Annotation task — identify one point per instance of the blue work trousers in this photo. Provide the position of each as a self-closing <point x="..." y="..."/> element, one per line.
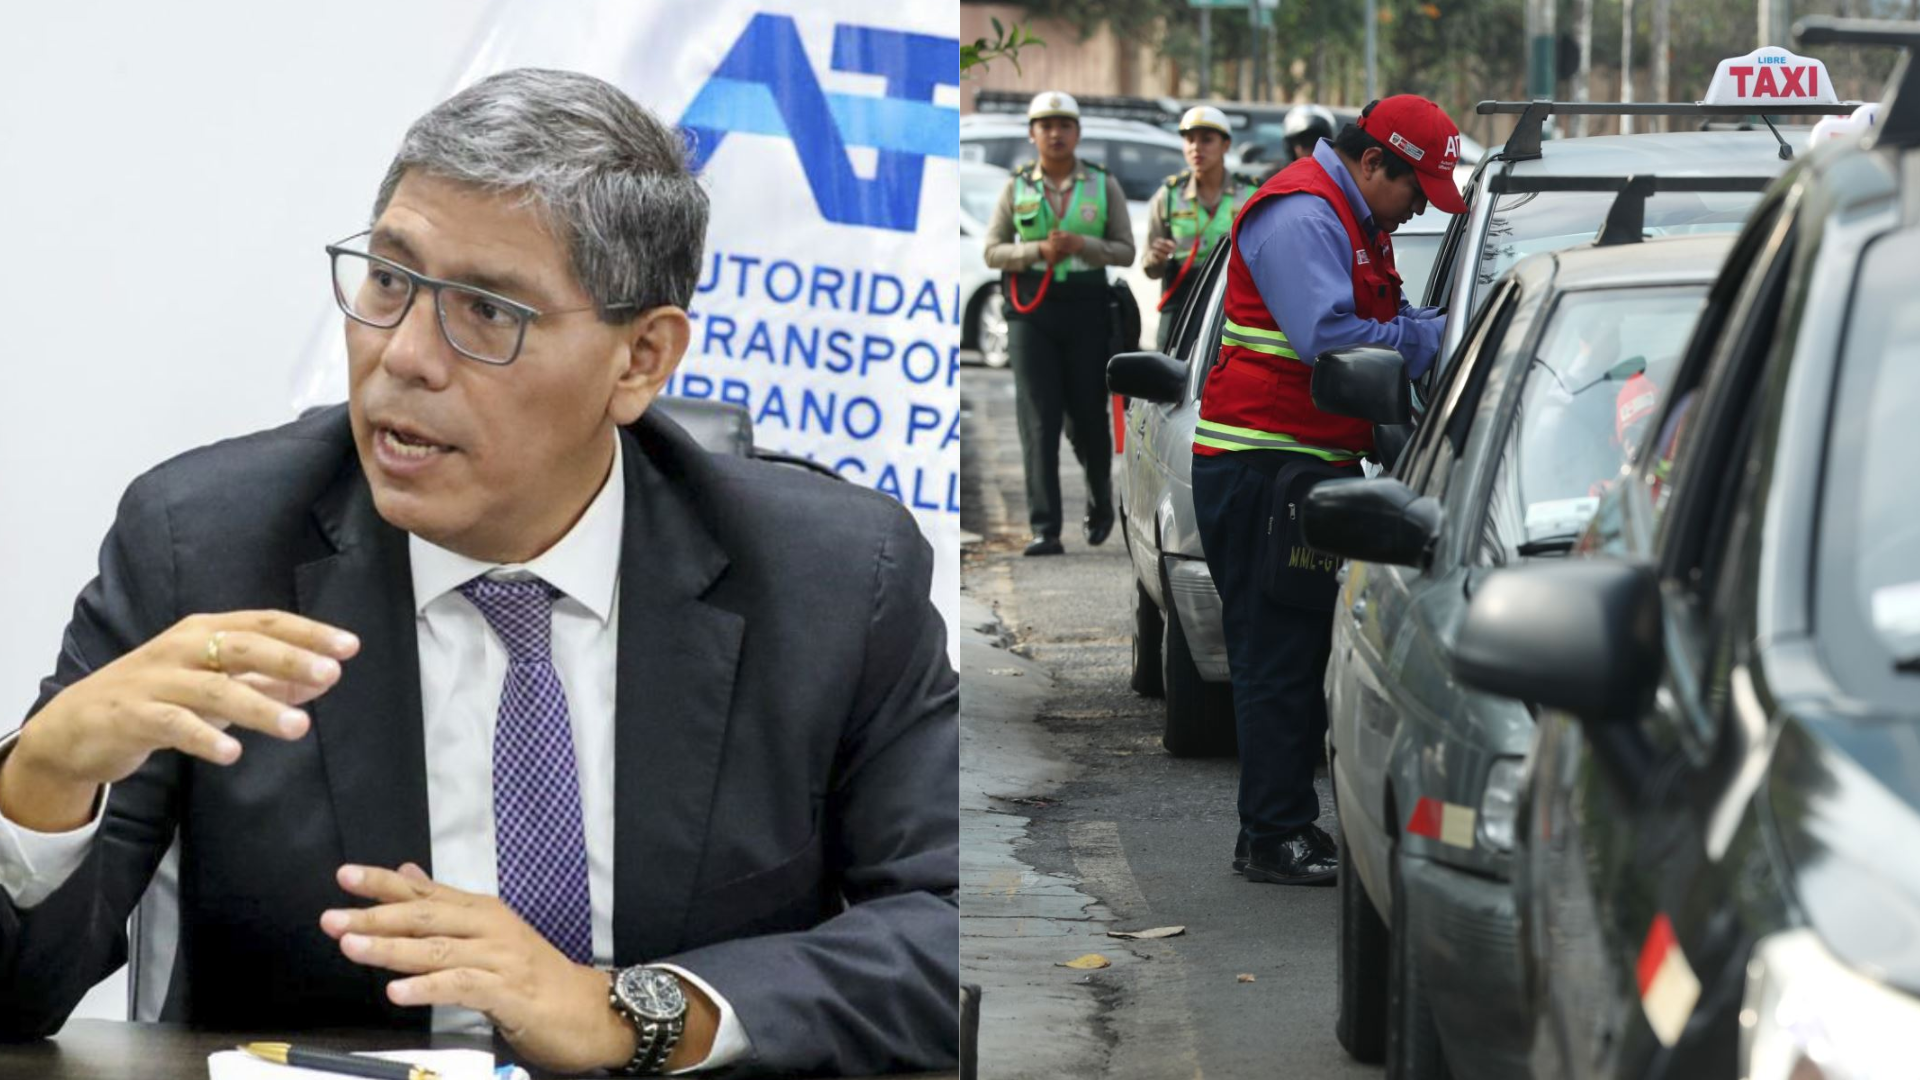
<point x="1278" y="653"/>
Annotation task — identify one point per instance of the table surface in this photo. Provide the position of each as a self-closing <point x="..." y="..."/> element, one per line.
<point x="111" y="1050"/>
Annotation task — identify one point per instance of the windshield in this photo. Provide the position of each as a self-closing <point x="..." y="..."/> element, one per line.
<point x="1590" y="390"/>
<point x="1869" y="577"/>
<point x="1549" y="221"/>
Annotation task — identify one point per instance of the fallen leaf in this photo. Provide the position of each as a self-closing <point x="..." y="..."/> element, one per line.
<point x="1087" y="963"/>
<point x="1148" y="935"/>
<point x="1243" y="977"/>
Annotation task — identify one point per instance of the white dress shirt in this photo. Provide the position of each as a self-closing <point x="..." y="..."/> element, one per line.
<point x="463" y="667"/>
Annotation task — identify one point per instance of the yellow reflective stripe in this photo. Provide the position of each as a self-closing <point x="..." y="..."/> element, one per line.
<point x="1252" y="345"/>
<point x="1270" y="342"/>
<point x="1255" y="332"/>
<point x="1335" y="457"/>
<point x="1227" y="437"/>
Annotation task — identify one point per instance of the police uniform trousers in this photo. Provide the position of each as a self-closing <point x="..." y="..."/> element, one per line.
<point x="1059" y="354"/>
<point x="1277" y="651"/>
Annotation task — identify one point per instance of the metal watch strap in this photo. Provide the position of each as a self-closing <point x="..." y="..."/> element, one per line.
<point x="656" y="1039"/>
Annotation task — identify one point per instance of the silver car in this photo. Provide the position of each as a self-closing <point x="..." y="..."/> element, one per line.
<point x="1179" y="651"/>
<point x="984" y="326"/>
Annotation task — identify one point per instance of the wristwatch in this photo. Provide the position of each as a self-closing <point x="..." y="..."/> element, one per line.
<point x="650" y="998"/>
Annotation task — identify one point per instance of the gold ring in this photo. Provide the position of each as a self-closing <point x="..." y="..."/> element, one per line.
<point x="213" y="651"/>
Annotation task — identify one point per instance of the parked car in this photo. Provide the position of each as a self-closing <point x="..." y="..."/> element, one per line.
<point x="1715" y="866"/>
<point x="1179" y="650"/>
<point x="1532" y="422"/>
<point x="983" y="326"/>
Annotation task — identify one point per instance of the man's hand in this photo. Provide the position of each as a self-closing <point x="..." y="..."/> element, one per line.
<point x="1159" y="249"/>
<point x="167" y="695"/>
<point x="475" y="952"/>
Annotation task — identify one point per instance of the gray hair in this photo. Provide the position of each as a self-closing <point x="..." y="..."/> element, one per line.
<point x="610" y="179"/>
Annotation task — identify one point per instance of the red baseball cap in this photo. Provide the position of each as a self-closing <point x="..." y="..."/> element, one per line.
<point x="1421" y="133"/>
<point x="1632" y="405"/>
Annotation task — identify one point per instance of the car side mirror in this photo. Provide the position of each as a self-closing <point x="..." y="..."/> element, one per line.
<point x="1363" y="381"/>
<point x="1583" y="637"/>
<point x="1376" y="520"/>
<point x="1389" y="442"/>
<point x="1149" y="376"/>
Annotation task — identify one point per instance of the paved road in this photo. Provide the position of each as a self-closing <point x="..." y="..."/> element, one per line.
<point x="1102" y="830"/>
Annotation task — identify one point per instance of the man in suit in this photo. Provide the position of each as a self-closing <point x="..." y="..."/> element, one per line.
<point x="489" y="697"/>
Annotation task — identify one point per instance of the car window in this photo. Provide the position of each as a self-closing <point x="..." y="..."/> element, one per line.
<point x="1868" y="582"/>
<point x="1413" y="257"/>
<point x="1590" y="388"/>
<point x="1526" y="223"/>
<point x="1437" y="441"/>
<point x="979" y="191"/>
<point x="1203" y="346"/>
<point x="1140" y="167"/>
<point x="1005" y="151"/>
<point x="1738" y="317"/>
<point x="1207" y="297"/>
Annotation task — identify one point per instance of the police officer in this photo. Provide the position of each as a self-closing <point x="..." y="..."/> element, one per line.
<point x="1058" y="224"/>
<point x="1192" y="211"/>
<point x="1311" y="270"/>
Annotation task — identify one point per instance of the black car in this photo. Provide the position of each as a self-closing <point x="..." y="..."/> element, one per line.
<point x="1530" y="424"/>
<point x="1718" y="872"/>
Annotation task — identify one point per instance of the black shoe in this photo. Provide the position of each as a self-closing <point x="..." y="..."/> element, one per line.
<point x="1240" y="856"/>
<point x="1045" y="545"/>
<point x="1099" y="527"/>
<point x="1308" y="857"/>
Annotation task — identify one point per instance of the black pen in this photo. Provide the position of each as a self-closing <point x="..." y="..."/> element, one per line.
<point x="328" y="1061"/>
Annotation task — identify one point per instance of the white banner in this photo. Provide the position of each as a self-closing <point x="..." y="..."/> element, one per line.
<point x="828" y="304"/>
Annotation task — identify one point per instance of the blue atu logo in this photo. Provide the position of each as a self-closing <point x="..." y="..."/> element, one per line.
<point x="766" y="86"/>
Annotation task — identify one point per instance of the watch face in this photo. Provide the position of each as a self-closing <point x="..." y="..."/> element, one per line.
<point x="655" y="995"/>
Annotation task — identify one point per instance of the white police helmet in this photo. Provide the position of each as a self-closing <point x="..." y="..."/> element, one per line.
<point x="1208" y="117"/>
<point x="1309" y="119"/>
<point x="1053" y="103"/>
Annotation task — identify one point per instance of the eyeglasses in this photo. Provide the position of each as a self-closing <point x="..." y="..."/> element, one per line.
<point x="480" y="325"/>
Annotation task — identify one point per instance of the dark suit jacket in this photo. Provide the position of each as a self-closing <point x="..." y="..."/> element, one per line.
<point x="786" y="741"/>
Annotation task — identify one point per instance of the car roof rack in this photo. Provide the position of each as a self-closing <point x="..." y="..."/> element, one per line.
<point x="1153" y="111"/>
<point x="1524" y="143"/>
<point x="1899" y="122"/>
<point x="1627" y="217"/>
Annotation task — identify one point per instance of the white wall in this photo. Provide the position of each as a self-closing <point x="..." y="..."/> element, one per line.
<point x="168" y="175"/>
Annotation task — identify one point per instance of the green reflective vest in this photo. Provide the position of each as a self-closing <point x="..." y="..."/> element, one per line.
<point x="1187" y="219"/>
<point x="1086" y="215"/>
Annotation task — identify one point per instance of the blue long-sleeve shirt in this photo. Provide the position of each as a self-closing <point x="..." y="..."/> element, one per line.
<point x="1306" y="276"/>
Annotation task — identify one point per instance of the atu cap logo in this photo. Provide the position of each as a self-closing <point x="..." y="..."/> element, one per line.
<point x="767" y="85"/>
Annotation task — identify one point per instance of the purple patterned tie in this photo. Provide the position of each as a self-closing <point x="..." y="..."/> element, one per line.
<point x="538" y="837"/>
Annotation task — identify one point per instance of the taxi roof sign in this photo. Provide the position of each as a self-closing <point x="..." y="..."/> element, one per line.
<point x="1769" y="77"/>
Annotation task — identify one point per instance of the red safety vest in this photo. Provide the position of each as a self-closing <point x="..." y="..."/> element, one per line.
<point x="1258" y="394"/>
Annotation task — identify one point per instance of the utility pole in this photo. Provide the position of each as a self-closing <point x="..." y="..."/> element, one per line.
<point x="1256" y="40"/>
<point x="1626" y="61"/>
<point x="1774" y="16"/>
<point x="1662" y="49"/>
<point x="1206" y="52"/>
<point x="1540" y="48"/>
<point x="1373" y="51"/>
<point x="1582" y="76"/>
